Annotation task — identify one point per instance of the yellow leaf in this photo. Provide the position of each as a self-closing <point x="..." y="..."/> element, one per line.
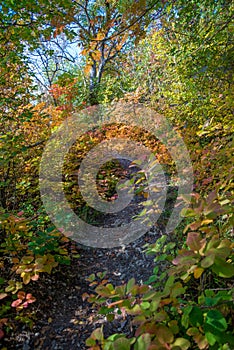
<point x="198" y="272"/>
<point x="100" y="36"/>
<point x="96" y="55"/>
<point x="26" y="277"/>
<point x="206" y="222"/>
<point x="87" y="69"/>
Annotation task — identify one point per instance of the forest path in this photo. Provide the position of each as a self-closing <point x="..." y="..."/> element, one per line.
<point x="64" y="320"/>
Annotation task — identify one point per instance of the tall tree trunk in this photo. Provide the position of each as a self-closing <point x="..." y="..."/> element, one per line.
<point x="93" y="86"/>
<point x="94" y="82"/>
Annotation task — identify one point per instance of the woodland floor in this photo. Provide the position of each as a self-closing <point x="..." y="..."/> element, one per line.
<point x="63" y="320"/>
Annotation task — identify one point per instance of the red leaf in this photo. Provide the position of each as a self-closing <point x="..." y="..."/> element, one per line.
<point x="35" y="277"/>
<point x="25" y="304"/>
<point x="30" y="299"/>
<point x="194" y="241"/>
<point x="28" y="296"/>
<point x="16" y="303"/>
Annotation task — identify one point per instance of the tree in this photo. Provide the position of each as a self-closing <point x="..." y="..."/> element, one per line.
<point x="15" y="85"/>
<point x="101" y="29"/>
<point x="106" y="28"/>
<point x="185" y="65"/>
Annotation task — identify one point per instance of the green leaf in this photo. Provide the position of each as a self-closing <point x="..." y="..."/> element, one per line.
<point x="187" y="212"/>
<point x="211" y="338"/>
<point x="90" y="342"/>
<point x="122" y="344"/>
<point x="154" y="305"/>
<point x="196" y="316"/>
<point x="208" y="261"/>
<point x="164" y="335"/>
<point x="216" y="321"/>
<point x="2" y="280"/>
<point x="177" y="290"/>
<point x="97" y="334"/>
<point x="115" y="336"/>
<point x="131" y="283"/>
<point x="27" y="259"/>
<point x="152" y="279"/>
<point x="91" y="277"/>
<point x="182" y="344"/>
<point x="222" y="268"/>
<point x="169" y="283"/>
<point x="104" y="310"/>
<point x="120" y="290"/>
<point x="150" y="295"/>
<point x="212" y="301"/>
<point x="185" y="316"/>
<point x="143" y="342"/>
<point x="145" y="305"/>
<point x="104" y="291"/>
<point x="193" y="331"/>
<point x="136" y="310"/>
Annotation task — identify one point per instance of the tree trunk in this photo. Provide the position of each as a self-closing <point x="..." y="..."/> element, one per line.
<point x="93" y="86"/>
<point x="94" y="82"/>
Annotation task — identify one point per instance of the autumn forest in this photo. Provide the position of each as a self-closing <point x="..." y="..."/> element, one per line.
<point x="116" y="174"/>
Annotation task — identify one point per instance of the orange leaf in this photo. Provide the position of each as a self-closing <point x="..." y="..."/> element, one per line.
<point x="87" y="69"/>
<point x="83" y="52"/>
<point x="21" y="295"/>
